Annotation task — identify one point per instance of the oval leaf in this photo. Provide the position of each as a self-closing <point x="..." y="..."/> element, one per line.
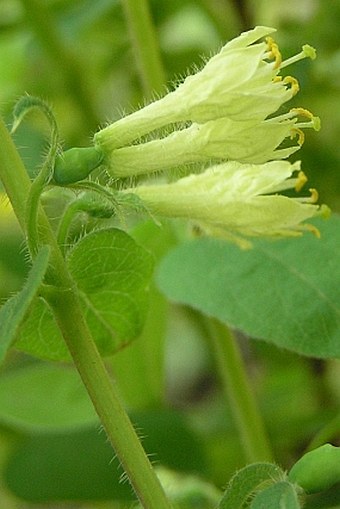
<point x="112" y="273"/>
<point x="286" y="292"/>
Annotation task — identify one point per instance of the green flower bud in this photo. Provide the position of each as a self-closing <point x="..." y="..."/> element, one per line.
<point x="76" y="164"/>
<point x="317" y="470"/>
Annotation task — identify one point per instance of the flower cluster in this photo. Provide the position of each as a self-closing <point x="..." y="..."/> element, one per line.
<point x="225" y="114"/>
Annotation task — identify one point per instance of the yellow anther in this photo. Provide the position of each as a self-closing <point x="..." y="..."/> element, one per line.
<point x="277" y="79"/>
<point x="295" y="131"/>
<point x="293" y="83"/>
<point x="302" y="112"/>
<point x="274" y="52"/>
<point x="311" y="228"/>
<point x="313" y="198"/>
<point x="300" y="181"/>
<point x="314" y="195"/>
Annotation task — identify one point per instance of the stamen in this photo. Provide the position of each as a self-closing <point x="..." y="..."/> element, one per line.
<point x="294" y="112"/>
<point x="300" y="181"/>
<point x="302" y="112"/>
<point x="314" y="195"/>
<point x="313" y="198"/>
<point x="295" y="131"/>
<point x="311" y="228"/>
<point x="281" y="118"/>
<point x="293" y="82"/>
<point x="314" y="123"/>
<point x="274" y="52"/>
<point x="307" y="52"/>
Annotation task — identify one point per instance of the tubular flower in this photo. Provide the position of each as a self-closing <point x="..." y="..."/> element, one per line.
<point x="241" y="82"/>
<point x="245" y="141"/>
<point x="236" y="200"/>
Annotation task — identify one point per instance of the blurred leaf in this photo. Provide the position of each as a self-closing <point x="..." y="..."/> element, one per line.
<point x="143" y="386"/>
<point x="188" y="491"/>
<point x="44" y="398"/>
<point x="112" y="273"/>
<point x="246" y="482"/>
<point x="81" y="466"/>
<point x="285" y="292"/>
<point x="14" y="310"/>
<point x="64" y="467"/>
<point x="281" y="495"/>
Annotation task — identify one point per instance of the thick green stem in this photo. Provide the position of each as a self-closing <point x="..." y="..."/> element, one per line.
<point x="39" y="16"/>
<point x="64" y="301"/>
<point x="239" y="393"/>
<point x="146" y="48"/>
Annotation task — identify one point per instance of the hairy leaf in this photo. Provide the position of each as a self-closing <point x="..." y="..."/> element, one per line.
<point x="281" y="495"/>
<point x="248" y="481"/>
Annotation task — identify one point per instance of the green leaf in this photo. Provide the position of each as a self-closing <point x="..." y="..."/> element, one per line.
<point x="286" y="292"/>
<point x="143" y="387"/>
<point x="80" y="465"/>
<point x="112" y="273"/>
<point x="248" y="480"/>
<point x="281" y="495"/>
<point x="54" y="399"/>
<point x="73" y="466"/>
<point x="14" y="310"/>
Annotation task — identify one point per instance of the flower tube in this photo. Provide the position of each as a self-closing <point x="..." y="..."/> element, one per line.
<point x="222" y="139"/>
<point x="236" y="200"/>
<point x="241" y="82"/>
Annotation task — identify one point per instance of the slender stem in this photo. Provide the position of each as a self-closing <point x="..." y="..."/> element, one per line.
<point x="39" y="16"/>
<point x="18" y="187"/>
<point x="238" y="391"/>
<point x="13" y="175"/>
<point x="64" y="301"/>
<point x="105" y="399"/>
<point x="146" y="48"/>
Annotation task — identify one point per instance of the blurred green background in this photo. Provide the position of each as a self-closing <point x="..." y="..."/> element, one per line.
<point x="79" y="58"/>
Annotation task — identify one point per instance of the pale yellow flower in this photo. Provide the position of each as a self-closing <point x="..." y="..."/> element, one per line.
<point x="241" y="82"/>
<point x="249" y="141"/>
<point x="237" y="200"/>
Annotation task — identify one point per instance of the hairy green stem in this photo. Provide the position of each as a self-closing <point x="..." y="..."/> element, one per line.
<point x="145" y="46"/>
<point x="106" y="401"/>
<point x="64" y="301"/>
<point x="239" y="393"/>
<point x="39" y="16"/>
